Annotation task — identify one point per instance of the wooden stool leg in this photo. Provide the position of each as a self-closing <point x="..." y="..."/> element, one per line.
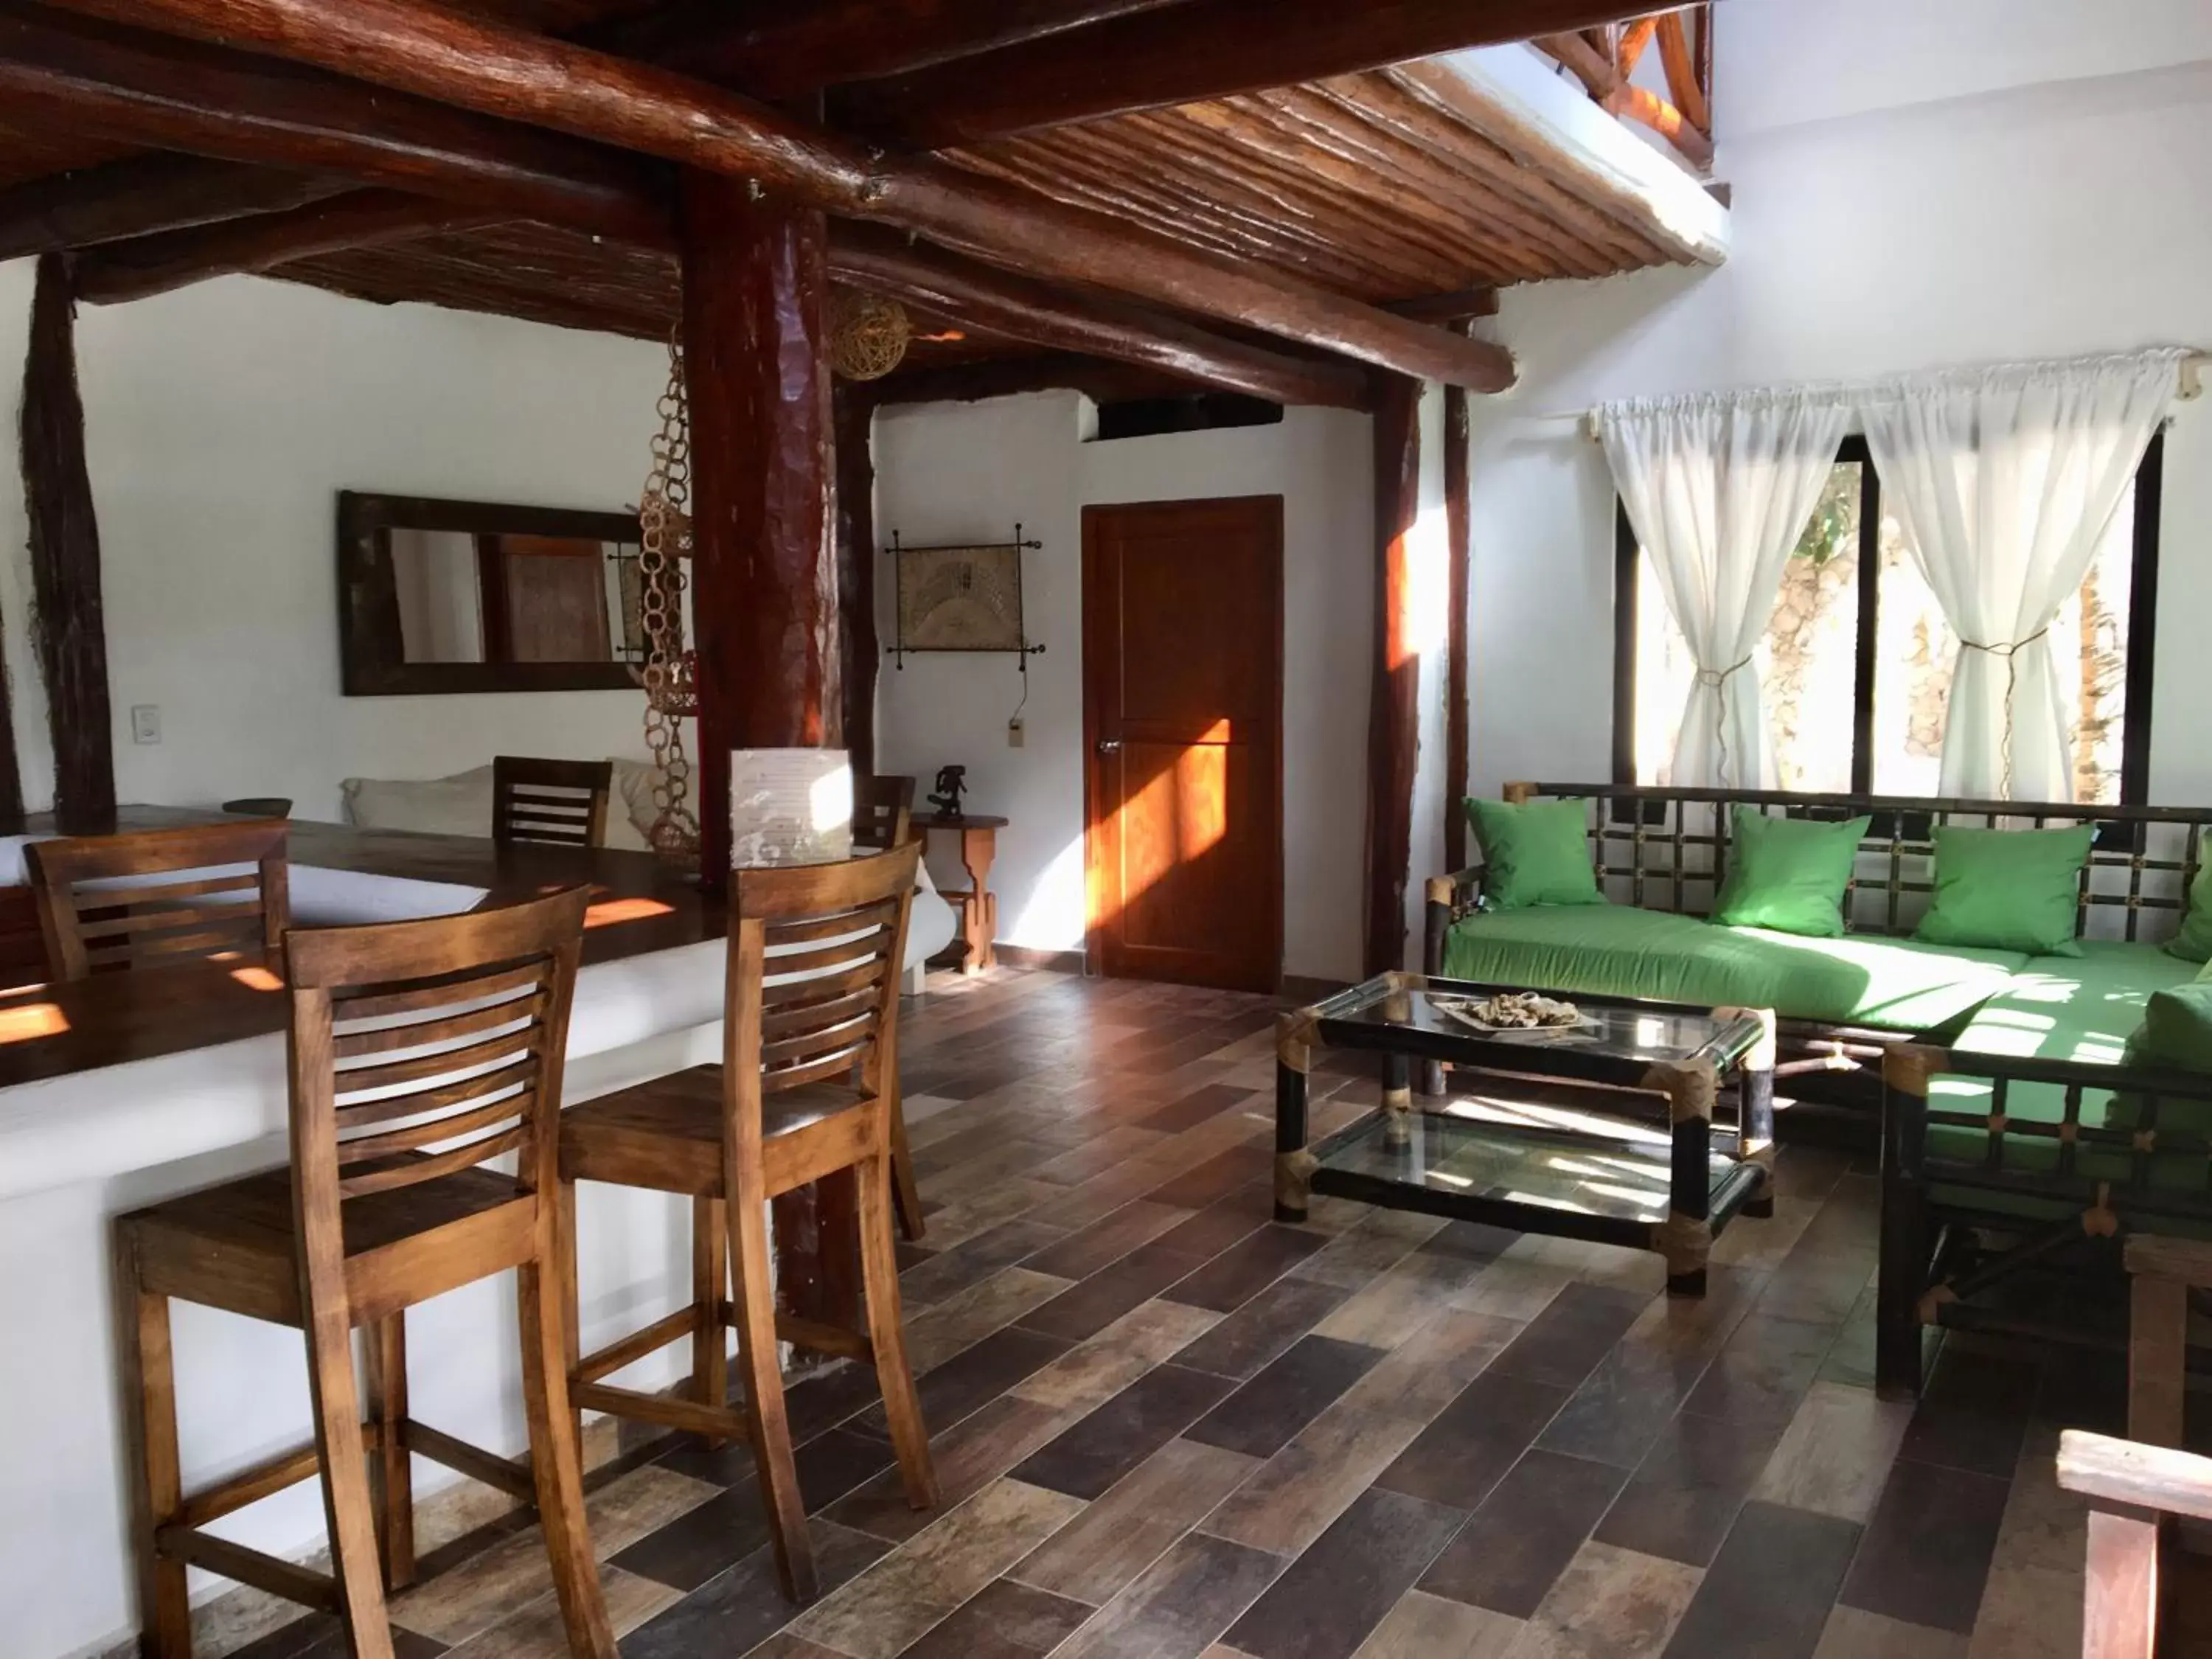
<point x="2158" y="1359"/>
<point x="770" y="1430"/>
<point x="391" y="1469"/>
<point x="346" y="1507"/>
<point x="710" y="1348"/>
<point x="554" y="1461"/>
<point x="149" y="1390"/>
<point x="905" y="1195"/>
<point x="571" y="1293"/>
<point x="879" y="1272"/>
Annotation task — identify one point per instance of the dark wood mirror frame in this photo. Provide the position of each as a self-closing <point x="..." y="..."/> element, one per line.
<point x="371" y="653"/>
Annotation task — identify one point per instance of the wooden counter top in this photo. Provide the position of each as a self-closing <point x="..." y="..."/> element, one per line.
<point x="52" y="1031"/>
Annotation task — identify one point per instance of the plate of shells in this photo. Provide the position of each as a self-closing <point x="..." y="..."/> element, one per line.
<point x="1514" y="1014"/>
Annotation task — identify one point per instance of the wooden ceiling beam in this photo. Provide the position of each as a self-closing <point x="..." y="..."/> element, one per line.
<point x="1205" y="49"/>
<point x="177" y="94"/>
<point x="772" y="49"/>
<point x="502" y="71"/>
<point x="1021" y="309"/>
<point x="1006" y="377"/>
<point x="142" y="195"/>
<point x="365" y="218"/>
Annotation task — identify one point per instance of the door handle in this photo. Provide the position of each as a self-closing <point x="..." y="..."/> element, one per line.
<point x="1109" y="745"/>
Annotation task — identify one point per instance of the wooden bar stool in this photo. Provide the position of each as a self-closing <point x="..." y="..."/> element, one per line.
<point x="563" y="803"/>
<point x="809" y="1045"/>
<point x="159" y="897"/>
<point x="882" y="817"/>
<point x="452" y="1030"/>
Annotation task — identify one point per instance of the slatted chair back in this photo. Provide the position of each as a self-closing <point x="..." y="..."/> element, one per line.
<point x="422" y="1048"/>
<point x="812" y="985"/>
<point x="882" y="810"/>
<point x="562" y="802"/>
<point x="160" y="898"/>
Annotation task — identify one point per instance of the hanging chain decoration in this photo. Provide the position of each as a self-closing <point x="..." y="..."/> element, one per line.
<point x="668" y="676"/>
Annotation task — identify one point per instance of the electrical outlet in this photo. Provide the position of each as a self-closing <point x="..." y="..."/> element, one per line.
<point x="1014" y="733"/>
<point x="145" y="723"/>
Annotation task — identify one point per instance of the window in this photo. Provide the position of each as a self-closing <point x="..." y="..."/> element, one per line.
<point x="1855" y="667"/>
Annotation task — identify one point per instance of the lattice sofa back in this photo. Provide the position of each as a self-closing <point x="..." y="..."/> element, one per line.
<point x="1667" y="849"/>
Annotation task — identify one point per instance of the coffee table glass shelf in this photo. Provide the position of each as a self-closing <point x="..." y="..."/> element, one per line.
<point x="1605" y="1129"/>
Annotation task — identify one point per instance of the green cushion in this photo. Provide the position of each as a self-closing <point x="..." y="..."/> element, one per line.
<point x="1535" y="852"/>
<point x="2177" y="1028"/>
<point x="2008" y="890"/>
<point x="2194" y="942"/>
<point x="1788" y="874"/>
<point x="1890" y="984"/>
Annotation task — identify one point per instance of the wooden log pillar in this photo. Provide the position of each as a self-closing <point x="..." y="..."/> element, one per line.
<point x="1457" y="554"/>
<point x="854" y="416"/>
<point x="67" y="630"/>
<point x="764" y="576"/>
<point x="1394" y="701"/>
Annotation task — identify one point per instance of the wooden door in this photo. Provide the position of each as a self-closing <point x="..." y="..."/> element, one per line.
<point x="1182" y="714"/>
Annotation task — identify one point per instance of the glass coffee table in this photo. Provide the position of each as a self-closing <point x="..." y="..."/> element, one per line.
<point x="1603" y="1130"/>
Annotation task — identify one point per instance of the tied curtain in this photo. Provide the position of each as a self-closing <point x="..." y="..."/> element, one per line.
<point x="1718" y="488"/>
<point x="2006" y="480"/>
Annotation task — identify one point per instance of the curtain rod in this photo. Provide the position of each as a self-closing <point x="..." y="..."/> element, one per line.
<point x="2190" y="388"/>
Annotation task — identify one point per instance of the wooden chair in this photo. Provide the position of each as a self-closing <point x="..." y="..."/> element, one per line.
<point x="883" y="810"/>
<point x="809" y="1045"/>
<point x="561" y="802"/>
<point x="369" y="1219"/>
<point x="155" y="898"/>
<point x="2142" y="1595"/>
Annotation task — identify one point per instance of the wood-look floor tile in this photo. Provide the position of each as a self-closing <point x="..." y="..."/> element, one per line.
<point x="893" y="1602"/>
<point x="490" y="1588"/>
<point x="1090" y="1456"/>
<point x="1003" y="1620"/>
<point x="935" y="1334"/>
<point x="1080" y="1254"/>
<point x="1090" y="1373"/>
<point x="1684" y="1497"/>
<point x="1179" y="1604"/>
<point x="1762" y="1374"/>
<point x="1425" y="1626"/>
<point x="536" y="1631"/>
<point x="1836" y="1453"/>
<point x="1577" y="1328"/>
<point x="1088" y="1307"/>
<point x="969" y="1457"/>
<point x="949" y="1271"/>
<point x="2045" y="1526"/>
<point x="1188" y="1111"/>
<point x="312" y="1636"/>
<point x="1854" y="1633"/>
<point x="1217" y="1177"/>
<point x="1973" y="1413"/>
<point x="1609" y="1266"/>
<point x="1610" y="1604"/>
<point x="2035" y="1613"/>
<point x="1096" y="1554"/>
<point x="1514" y="1548"/>
<point x="784" y="1645"/>
<point x="1377" y="1241"/>
<point x="1260" y="1418"/>
<point x="1768" y="1592"/>
<point x="1244" y="1269"/>
<point x="1926" y="1554"/>
<point x="1251" y="1338"/>
<point x="1512" y="1289"/>
<point x="737" y="1610"/>
<point x="1763" y="1244"/>
<point x="972" y="1379"/>
<point x="1469" y="1446"/>
<point x="1109" y="1149"/>
<point x="1820" y="1285"/>
<point x="1329" y="1599"/>
<point x="1399" y="1300"/>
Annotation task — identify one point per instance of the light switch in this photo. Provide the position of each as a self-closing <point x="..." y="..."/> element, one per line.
<point x="145" y="722"/>
<point x="1014" y="733"/>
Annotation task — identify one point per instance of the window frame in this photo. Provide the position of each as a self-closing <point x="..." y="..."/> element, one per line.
<point x="2143" y="625"/>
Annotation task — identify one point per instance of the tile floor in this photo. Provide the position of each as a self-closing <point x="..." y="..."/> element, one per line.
<point x="1168" y="1426"/>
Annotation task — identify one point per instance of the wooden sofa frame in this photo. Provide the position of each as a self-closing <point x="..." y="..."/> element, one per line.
<point x="1667" y="849"/>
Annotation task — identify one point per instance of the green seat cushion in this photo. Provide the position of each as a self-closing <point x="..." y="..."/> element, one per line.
<point x="1788" y="874"/>
<point x="2194" y="942"/>
<point x="2084" y="1009"/>
<point x="1890" y="984"/>
<point x="1535" y="852"/>
<point x="2007" y="889"/>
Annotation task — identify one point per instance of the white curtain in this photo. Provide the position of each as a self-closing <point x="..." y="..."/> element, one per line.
<point x="2005" y="480"/>
<point x="1718" y="488"/>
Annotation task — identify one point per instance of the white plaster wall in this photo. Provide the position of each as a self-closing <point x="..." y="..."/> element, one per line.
<point x="2044" y="220"/>
<point x="220" y="422"/>
<point x="953" y="472"/>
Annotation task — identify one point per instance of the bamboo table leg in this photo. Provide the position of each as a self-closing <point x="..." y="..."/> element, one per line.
<point x="1294" y="1165"/>
<point x="1686" y="1237"/>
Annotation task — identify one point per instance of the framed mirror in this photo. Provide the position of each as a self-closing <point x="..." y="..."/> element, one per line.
<point x="438" y="596"/>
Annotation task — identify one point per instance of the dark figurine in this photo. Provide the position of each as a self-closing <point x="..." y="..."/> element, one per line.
<point x="952" y="784"/>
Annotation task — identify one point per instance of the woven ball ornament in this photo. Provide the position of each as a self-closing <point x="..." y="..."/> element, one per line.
<point x="868" y="334"/>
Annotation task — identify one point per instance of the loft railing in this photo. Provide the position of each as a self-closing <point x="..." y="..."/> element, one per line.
<point x="1605" y="60"/>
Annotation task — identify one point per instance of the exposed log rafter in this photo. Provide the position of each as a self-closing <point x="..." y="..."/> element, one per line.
<point x="1394" y="709"/>
<point x="502" y="71"/>
<point x="145" y="195"/>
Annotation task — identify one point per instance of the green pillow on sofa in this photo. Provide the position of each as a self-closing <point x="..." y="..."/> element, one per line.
<point x="1535" y="852"/>
<point x="1788" y="874"/>
<point x="2008" y="890"/>
<point x="2194" y="942"/>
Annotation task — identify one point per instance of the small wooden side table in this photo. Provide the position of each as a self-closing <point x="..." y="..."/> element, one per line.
<point x="979" y="905"/>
